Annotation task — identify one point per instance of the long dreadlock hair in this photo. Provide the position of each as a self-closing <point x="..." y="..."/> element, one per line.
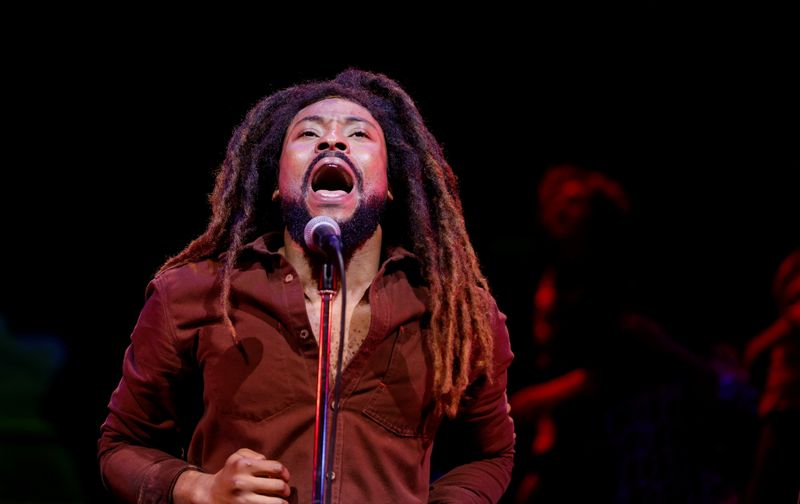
<point x="431" y="222"/>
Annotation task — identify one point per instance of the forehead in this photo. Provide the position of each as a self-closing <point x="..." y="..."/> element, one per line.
<point x="335" y="108"/>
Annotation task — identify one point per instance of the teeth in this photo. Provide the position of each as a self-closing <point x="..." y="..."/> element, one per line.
<point x="332" y="177"/>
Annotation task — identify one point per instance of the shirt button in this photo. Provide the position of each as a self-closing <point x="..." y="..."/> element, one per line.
<point x="304" y="333"/>
<point x="288" y="278"/>
<point x="331" y="475"/>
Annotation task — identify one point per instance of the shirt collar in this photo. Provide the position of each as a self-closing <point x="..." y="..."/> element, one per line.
<point x="267" y="245"/>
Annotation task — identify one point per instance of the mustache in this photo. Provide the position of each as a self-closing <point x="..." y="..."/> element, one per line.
<point x="336" y="154"/>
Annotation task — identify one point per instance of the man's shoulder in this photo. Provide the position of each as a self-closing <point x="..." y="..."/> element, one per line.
<point x="201" y="275"/>
<point x="190" y="280"/>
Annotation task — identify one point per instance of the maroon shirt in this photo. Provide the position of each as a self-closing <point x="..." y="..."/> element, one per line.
<point x="189" y="398"/>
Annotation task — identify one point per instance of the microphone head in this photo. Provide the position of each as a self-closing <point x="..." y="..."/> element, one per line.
<point x="321" y="224"/>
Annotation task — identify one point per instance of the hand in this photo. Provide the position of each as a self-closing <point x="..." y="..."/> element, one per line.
<point x="247" y="477"/>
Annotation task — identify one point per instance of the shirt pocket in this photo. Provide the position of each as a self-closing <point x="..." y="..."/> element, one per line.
<point x="253" y="382"/>
<point x="402" y="403"/>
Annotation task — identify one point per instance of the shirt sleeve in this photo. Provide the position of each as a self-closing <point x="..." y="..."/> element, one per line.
<point x="484" y="433"/>
<point x="139" y="449"/>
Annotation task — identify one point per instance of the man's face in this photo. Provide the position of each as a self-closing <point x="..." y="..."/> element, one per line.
<point x="333" y="163"/>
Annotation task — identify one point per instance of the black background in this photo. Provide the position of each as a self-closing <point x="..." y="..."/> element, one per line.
<point x="113" y="144"/>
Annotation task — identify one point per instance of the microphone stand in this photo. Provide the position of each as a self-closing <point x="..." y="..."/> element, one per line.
<point x="327" y="289"/>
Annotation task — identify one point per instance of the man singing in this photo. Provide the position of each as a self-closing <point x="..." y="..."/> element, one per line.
<point x="217" y="397"/>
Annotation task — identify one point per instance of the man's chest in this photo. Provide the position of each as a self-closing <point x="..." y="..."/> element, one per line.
<point x="357" y="324"/>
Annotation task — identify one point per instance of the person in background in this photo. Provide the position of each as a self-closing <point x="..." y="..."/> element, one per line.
<point x="776" y="471"/>
<point x="604" y="409"/>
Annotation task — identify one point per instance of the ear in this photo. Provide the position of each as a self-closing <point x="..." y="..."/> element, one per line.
<point x="276" y="195"/>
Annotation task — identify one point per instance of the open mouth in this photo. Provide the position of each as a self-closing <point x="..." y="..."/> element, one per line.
<point x="332" y="177"/>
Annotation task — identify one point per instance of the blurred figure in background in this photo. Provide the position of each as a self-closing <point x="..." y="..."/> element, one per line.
<point x="28" y="366"/>
<point x="605" y="417"/>
<point x="776" y="472"/>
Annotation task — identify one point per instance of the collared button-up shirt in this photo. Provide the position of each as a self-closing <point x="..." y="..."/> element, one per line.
<point x="189" y="397"/>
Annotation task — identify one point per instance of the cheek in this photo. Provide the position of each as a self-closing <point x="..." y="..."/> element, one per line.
<point x="376" y="183"/>
<point x="377" y="179"/>
<point x="291" y="169"/>
<point x="383" y="184"/>
<point x="283" y="186"/>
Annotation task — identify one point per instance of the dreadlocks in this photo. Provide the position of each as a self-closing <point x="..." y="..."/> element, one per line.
<point x="431" y="223"/>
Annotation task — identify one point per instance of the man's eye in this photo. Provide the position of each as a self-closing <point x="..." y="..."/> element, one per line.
<point x="360" y="133"/>
<point x="308" y="133"/>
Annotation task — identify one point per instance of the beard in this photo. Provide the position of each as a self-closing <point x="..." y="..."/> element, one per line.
<point x="355" y="230"/>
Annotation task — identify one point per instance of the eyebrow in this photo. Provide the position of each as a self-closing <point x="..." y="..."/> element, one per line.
<point x="320" y="119"/>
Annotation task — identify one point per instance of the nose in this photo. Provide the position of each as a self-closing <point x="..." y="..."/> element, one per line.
<point x="331" y="141"/>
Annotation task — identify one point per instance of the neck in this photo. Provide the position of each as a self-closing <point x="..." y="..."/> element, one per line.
<point x="360" y="269"/>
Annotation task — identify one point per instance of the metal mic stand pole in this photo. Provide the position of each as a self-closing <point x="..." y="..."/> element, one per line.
<point x="327" y="289"/>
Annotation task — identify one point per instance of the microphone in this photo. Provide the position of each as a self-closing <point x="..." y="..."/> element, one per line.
<point x="322" y="234"/>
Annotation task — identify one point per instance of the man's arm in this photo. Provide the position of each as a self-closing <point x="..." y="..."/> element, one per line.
<point x="486" y="430"/>
<point x="139" y="445"/>
<point x="778" y="331"/>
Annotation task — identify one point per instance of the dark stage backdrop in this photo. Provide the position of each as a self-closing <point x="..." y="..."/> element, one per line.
<point x="111" y="162"/>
